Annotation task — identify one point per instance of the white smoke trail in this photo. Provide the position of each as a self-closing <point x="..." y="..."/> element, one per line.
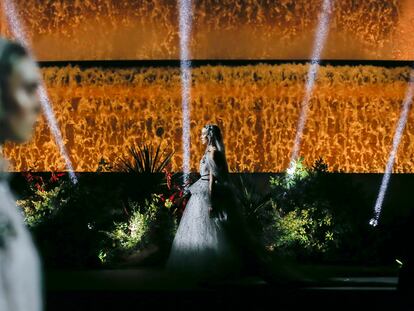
<point x="185" y="20"/>
<point x="20" y="35"/>
<point x="321" y="35"/>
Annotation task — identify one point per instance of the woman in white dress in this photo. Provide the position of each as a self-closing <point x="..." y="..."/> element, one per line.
<point x="202" y="247"/>
<point x="20" y="268"/>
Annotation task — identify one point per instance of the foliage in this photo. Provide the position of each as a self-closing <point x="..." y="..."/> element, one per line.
<point x="73" y="223"/>
<point x="145" y="160"/>
<point x="301" y="219"/>
<point x="66" y="218"/>
<point x="176" y="192"/>
<point x="40" y="206"/>
<point x="303" y="231"/>
<point x="145" y="168"/>
<point x="42" y="201"/>
<point x="153" y="226"/>
<point x="251" y="198"/>
<point x="305" y="215"/>
<point x="253" y="202"/>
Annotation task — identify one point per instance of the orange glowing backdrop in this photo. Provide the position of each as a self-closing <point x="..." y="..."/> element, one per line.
<point x="224" y="29"/>
<point x="103" y="111"/>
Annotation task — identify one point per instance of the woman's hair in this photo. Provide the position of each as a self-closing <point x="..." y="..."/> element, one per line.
<point x="214" y="137"/>
<point x="10" y="52"/>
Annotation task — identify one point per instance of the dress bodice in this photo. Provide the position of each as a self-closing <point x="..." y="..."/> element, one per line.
<point x="201" y="185"/>
<point x="207" y="164"/>
<point x="204" y="170"/>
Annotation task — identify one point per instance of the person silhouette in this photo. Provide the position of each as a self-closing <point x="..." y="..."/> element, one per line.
<point x="213" y="240"/>
<point x="201" y="247"/>
<point x="20" y="265"/>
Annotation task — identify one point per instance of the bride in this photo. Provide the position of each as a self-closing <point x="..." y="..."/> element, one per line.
<point x="201" y="246"/>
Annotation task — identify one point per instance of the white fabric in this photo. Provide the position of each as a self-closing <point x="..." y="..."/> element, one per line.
<point x="200" y="246"/>
<point x="20" y="277"/>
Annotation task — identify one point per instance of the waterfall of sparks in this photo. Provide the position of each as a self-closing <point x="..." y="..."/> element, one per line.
<point x="395" y="144"/>
<point x="321" y="35"/>
<point x="185" y="16"/>
<point x="18" y="33"/>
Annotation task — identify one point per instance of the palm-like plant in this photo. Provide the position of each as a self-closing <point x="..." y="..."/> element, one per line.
<point x="145" y="160"/>
<point x="253" y="202"/>
<point x="250" y="197"/>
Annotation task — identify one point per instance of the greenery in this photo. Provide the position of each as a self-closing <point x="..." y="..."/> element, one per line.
<point x="145" y="166"/>
<point x="42" y="201"/>
<point x="303" y="230"/>
<point x="142" y="228"/>
<point x="109" y="219"/>
<point x="255" y="204"/>
<point x="295" y="218"/>
<point x="99" y="220"/>
<point x="302" y="220"/>
<point x="40" y="206"/>
<point x="145" y="159"/>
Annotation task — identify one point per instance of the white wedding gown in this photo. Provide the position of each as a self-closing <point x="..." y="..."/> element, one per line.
<point x="201" y="247"/>
<point x="20" y="270"/>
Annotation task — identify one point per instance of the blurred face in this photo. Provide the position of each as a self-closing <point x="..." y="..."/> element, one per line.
<point x="23" y="104"/>
<point x="204" y="139"/>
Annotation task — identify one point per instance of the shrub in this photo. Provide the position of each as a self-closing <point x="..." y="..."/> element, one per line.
<point x="145" y="166"/>
<point x="300" y="232"/>
<point x="254" y="203"/>
<point x="153" y="226"/>
<point x="42" y="201"/>
<point x="301" y="219"/>
<point x="145" y="160"/>
<point x="66" y="219"/>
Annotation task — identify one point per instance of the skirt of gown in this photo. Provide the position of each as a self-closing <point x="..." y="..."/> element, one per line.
<point x="201" y="247"/>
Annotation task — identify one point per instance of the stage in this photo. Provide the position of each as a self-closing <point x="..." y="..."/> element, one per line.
<point x="148" y="288"/>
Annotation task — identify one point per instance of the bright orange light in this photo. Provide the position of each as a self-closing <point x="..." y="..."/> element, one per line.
<point x="352" y="116"/>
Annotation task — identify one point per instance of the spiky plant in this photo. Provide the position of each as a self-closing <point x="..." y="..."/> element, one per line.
<point x="144" y="166"/>
<point x="145" y="159"/>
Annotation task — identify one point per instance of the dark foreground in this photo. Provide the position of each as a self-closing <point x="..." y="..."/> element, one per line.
<point x="146" y="288"/>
